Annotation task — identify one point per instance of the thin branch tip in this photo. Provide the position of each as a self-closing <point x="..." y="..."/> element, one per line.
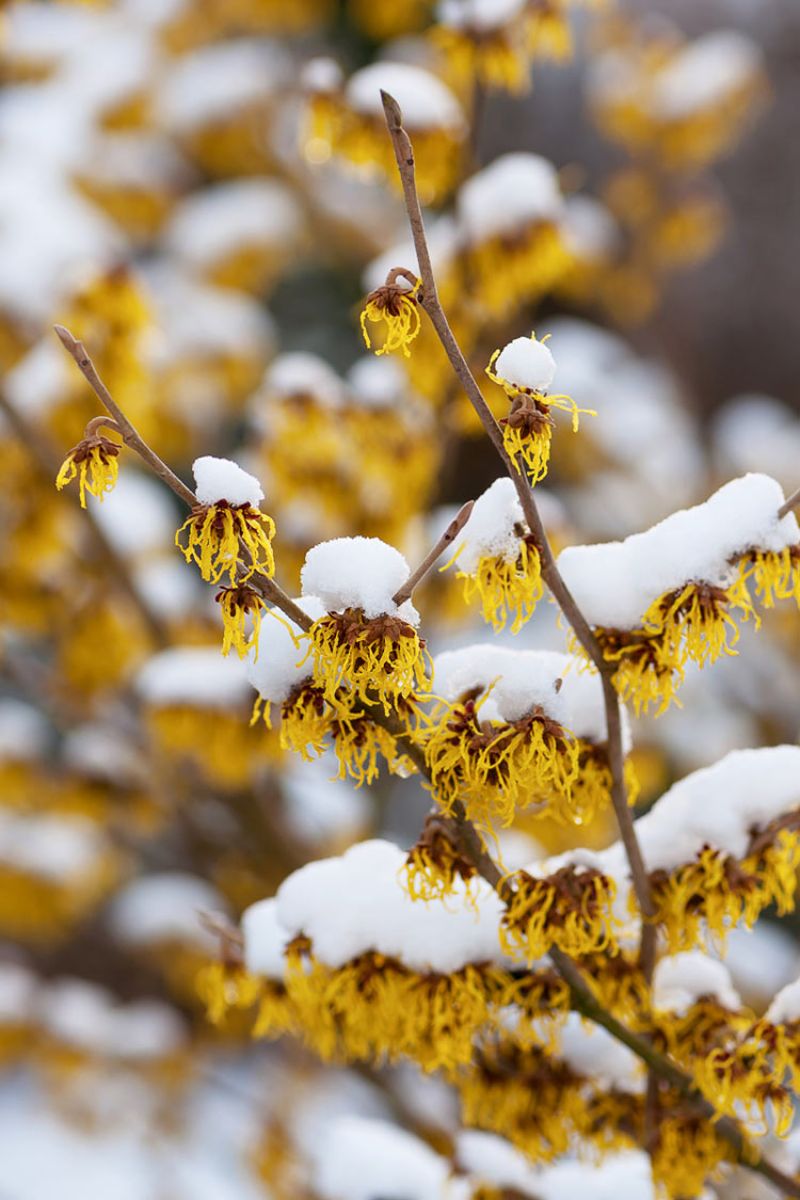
<point x="394" y="114"/>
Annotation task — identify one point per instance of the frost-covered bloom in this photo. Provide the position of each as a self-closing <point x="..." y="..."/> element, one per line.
<point x="498" y="558"/>
<point x="668" y="595"/>
<point x="310" y="717"/>
<point x="93" y="462"/>
<point x="375" y="981"/>
<point x="395" y="307"/>
<point x="227" y="533"/>
<point x="565" y="902"/>
<point x="196" y="704"/>
<point x="525" y="369"/>
<point x="349" y="123"/>
<point x="720" y="845"/>
<point x="686" y="103"/>
<point x="508" y="217"/>
<point x="495" y="44"/>
<point x="520" y="733"/>
<point x="542" y="1098"/>
<point x="365" y="644"/>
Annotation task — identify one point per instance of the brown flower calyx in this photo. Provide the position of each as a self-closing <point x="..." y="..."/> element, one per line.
<point x="529" y="414"/>
<point x="240" y="597"/>
<point x="438" y="843"/>
<point x="575" y="889"/>
<point x="352" y="626"/>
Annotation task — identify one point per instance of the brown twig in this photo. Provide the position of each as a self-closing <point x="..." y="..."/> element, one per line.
<point x="789" y="505"/>
<point x="268" y="587"/>
<point x="130" y="436"/>
<point x="429" y="299"/>
<point x="450" y="534"/>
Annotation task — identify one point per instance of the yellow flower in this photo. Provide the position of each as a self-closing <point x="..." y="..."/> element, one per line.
<point x="528" y="428"/>
<point x="695" y="622"/>
<point x="93" y="462"/>
<point x="687" y="1150"/>
<point x="775" y="574"/>
<point x="494" y="767"/>
<point x="397" y="308"/>
<point x="378" y="661"/>
<point x="230" y="539"/>
<point x="506" y="586"/>
<point x="237" y="604"/>
<point x="374" y="1008"/>
<point x="570" y="909"/>
<point x="716" y="892"/>
<point x="435" y="863"/>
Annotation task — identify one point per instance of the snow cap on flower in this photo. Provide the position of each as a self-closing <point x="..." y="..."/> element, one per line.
<point x="785" y="1008"/>
<point x="614" y="583"/>
<point x="265" y="939"/>
<point x="720" y="806"/>
<point x="360" y="1158"/>
<point x="357" y="902"/>
<point x="492" y="528"/>
<point x="220" y="479"/>
<point x="279" y="663"/>
<point x="358" y="572"/>
<point x="526" y="363"/>
<point x="426" y="102"/>
<point x="514" y="191"/>
<point x="680" y="980"/>
<point x="479" y="16"/>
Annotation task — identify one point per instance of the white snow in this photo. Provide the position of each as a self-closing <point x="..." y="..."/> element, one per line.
<point x="321" y="74"/>
<point x="614" y="583"/>
<point x="526" y="363"/>
<point x="378" y="383"/>
<point x="479" y="16"/>
<point x="216" y="81"/>
<point x="720" y="806"/>
<point x="264" y="939"/>
<point x="680" y="980"/>
<point x="298" y="374"/>
<point x="357" y="572"/>
<point x="218" y="220"/>
<point x="18" y="987"/>
<point x="494" y="528"/>
<point x="523" y="679"/>
<point x="356" y="902"/>
<point x="761" y="960"/>
<point x="83" y="1015"/>
<point x="785" y="1008"/>
<point x="513" y="192"/>
<point x="104" y="752"/>
<point x="165" y="907"/>
<point x="198" y="676"/>
<point x="277" y="668"/>
<point x="220" y="479"/>
<point x="755" y="432"/>
<point x="55" y="848"/>
<point x="198" y="321"/>
<point x="588" y="229"/>
<point x="361" y="1158"/>
<point x="707" y="72"/>
<point x="426" y="102"/>
<point x="138" y="516"/>
<point x="318" y="807"/>
<point x="24" y="733"/>
<point x="491" y="1160"/>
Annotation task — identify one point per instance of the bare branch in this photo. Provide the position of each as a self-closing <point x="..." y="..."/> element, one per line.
<point x="789" y="505"/>
<point x="130" y="435"/>
<point x="450" y="534"/>
<point x="429" y="299"/>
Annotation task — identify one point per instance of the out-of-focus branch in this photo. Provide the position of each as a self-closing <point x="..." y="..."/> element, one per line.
<point x="435" y="552"/>
<point x="790" y="504"/>
<point x="429" y="299"/>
